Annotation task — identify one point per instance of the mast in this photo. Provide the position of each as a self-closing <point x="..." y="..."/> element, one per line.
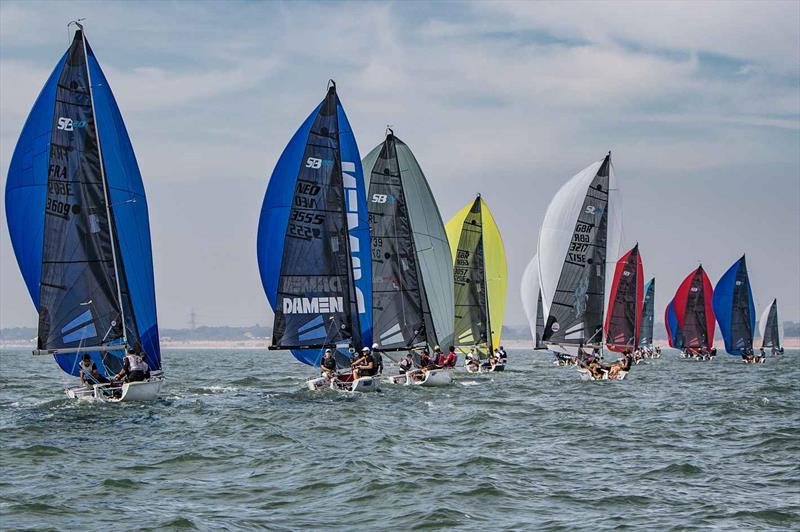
<point x="106" y="196"/>
<point x="485" y="283"/>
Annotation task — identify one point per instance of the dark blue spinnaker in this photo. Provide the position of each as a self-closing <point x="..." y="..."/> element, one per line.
<point x="78" y="220"/>
<point x="313" y="239"/>
<point x="734" y="308"/>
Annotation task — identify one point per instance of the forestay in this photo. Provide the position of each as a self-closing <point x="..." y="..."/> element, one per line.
<point x="78" y="219"/>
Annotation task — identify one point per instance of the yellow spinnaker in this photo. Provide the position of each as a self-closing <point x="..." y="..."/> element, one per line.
<point x="494" y="258"/>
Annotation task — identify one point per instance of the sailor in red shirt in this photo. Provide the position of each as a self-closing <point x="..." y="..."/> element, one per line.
<point x="450" y="360"/>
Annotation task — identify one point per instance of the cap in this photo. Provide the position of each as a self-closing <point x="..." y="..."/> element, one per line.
<point x="328" y="351"/>
<point x="375" y="345"/>
<point x="365" y="350"/>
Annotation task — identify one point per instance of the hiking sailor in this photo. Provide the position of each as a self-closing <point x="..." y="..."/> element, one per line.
<point x="134" y="367"/>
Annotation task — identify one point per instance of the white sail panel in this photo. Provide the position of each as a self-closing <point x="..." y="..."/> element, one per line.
<point x="529" y="291"/>
<point x="557" y="228"/>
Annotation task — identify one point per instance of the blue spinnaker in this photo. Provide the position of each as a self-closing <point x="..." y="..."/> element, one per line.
<point x="40" y="149"/>
<point x="735" y="309"/>
<point x="318" y="183"/>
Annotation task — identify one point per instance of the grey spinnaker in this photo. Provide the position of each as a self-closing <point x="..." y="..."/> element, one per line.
<point x="648" y="314"/>
<point x="576" y="309"/>
<point x="412" y="265"/>
<point x="769" y="326"/>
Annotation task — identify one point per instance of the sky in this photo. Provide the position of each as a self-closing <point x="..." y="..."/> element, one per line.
<point x="699" y="103"/>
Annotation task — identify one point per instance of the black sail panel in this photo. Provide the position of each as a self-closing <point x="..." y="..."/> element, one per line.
<point x="315" y="305"/>
<point x="79" y="303"/>
<point x="469" y="290"/>
<point x="741" y="329"/>
<point x="648" y="315"/>
<point x="695" y="321"/>
<point x="771" y="332"/>
<point x="539" y="322"/>
<point x="398" y="299"/>
<point x="622" y="310"/>
<point x="576" y="312"/>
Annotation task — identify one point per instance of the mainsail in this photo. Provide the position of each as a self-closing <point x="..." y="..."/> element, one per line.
<point x="769" y="326"/>
<point x="479" y="277"/>
<point x="78" y="219"/>
<point x="734" y="308"/>
<point x="648" y="314"/>
<point x="581" y="228"/>
<point x="412" y="292"/>
<point x="625" y="303"/>
<point x="674" y="335"/>
<point x="532" y="301"/>
<point x="693" y="310"/>
<point x="313" y="239"/>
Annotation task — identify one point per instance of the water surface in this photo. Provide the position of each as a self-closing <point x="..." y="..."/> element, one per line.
<point x="236" y="443"/>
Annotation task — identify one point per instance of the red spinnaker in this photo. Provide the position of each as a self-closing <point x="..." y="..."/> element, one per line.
<point x="625" y="303"/>
<point x="694" y="311"/>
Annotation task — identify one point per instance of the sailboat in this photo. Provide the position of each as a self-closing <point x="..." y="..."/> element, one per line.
<point x="771" y="329"/>
<point x="531" y="296"/>
<point x="735" y="311"/>
<point x="581" y="228"/>
<point x="78" y="220"/>
<point x="314" y="247"/>
<point x="479" y="282"/>
<point x="695" y="315"/>
<point x="674" y="335"/>
<point x="412" y="292"/>
<point x="625" y="303"/>
<point x="648" y="315"/>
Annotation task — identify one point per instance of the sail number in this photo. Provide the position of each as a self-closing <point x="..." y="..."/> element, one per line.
<point x="57" y="207"/>
<point x="307" y="217"/>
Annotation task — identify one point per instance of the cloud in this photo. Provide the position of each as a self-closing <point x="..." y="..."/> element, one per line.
<point x="509" y="99"/>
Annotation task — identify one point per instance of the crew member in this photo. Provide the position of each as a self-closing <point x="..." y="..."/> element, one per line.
<point x="451" y="359"/>
<point x="88" y="372"/>
<point x="364" y="366"/>
<point x="134" y="367"/>
<point x="328" y="365"/>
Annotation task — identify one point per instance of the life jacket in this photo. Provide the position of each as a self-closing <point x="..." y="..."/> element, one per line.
<point x="451" y="360"/>
<point x="329" y="363"/>
<point x="137" y="363"/>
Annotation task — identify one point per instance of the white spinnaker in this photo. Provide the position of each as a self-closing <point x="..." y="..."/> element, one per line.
<point x="529" y="291"/>
<point x="762" y="323"/>
<point x="559" y="224"/>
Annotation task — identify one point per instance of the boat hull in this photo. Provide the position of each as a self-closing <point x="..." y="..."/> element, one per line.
<point x="586" y="375"/>
<point x="141" y="391"/>
<point x="431" y="378"/>
<point x="362" y="384"/>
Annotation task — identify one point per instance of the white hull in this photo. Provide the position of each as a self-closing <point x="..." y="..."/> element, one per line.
<point x="130" y="391"/>
<point x="586" y="375"/>
<point x="484" y="369"/>
<point x="432" y="378"/>
<point x="363" y="384"/>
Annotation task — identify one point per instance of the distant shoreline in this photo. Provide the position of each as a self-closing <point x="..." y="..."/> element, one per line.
<point x="789" y="343"/>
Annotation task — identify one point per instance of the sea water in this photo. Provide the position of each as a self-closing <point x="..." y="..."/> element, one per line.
<point x="236" y="442"/>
